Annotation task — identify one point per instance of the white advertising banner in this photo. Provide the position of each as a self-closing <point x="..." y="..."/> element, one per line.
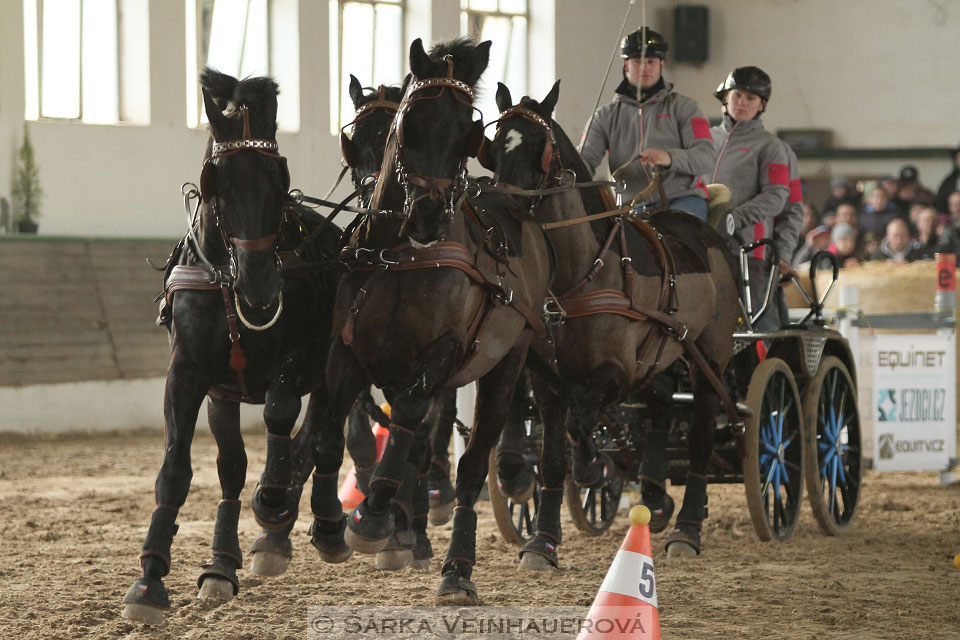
<point x="915" y="402"/>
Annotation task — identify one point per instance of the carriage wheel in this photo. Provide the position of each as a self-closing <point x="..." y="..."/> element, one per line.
<point x="517" y="521"/>
<point x="833" y="462"/>
<point x="594" y="509"/>
<point x="773" y="461"/>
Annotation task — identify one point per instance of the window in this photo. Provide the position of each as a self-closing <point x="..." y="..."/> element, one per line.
<point x="505" y="23"/>
<point x="245" y="38"/>
<point x="87" y="60"/>
<point x="366" y="40"/>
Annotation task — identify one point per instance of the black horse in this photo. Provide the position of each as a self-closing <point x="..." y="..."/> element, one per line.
<point x="667" y="292"/>
<point x="238" y="332"/>
<point x="415" y="329"/>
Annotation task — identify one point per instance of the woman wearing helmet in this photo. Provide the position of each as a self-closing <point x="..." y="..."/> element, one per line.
<point x="647" y="123"/>
<point x="751" y="161"/>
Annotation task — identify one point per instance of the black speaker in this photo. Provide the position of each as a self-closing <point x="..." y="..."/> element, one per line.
<point x="691" y="33"/>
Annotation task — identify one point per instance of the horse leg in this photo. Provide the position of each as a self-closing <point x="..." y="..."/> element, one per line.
<point x="494" y="392"/>
<point x="423" y="550"/>
<point x="346" y="381"/>
<point x="441" y="494"/>
<point x="399" y="551"/>
<point x="218" y="580"/>
<point x="684" y="540"/>
<point x="275" y="500"/>
<point x="362" y="445"/>
<point x="147" y="598"/>
<point x="514" y="474"/>
<point x="540" y="554"/>
<point x="654" y="464"/>
<point x="372" y="523"/>
<point x="607" y="384"/>
<point x="271" y="551"/>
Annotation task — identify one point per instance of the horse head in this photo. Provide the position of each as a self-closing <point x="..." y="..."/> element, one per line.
<point x="523" y="151"/>
<point x="436" y="133"/>
<point x="244" y="183"/>
<point x="363" y="149"/>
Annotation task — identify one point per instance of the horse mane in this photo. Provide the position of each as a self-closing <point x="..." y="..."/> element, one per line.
<point x="258" y="94"/>
<point x="570" y="158"/>
<point x="461" y="49"/>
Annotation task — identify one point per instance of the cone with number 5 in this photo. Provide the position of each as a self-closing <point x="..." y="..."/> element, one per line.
<point x="626" y="606"/>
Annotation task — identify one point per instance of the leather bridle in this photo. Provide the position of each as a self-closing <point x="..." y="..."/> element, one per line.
<point x="364" y="111"/>
<point x="448" y="190"/>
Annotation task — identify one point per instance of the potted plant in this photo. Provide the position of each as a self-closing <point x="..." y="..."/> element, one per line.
<point x="26" y="188"/>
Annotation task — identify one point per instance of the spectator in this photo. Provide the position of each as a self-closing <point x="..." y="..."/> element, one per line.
<point x="846" y="212"/>
<point x="878" y="211"/>
<point x="927" y="239"/>
<point x="817" y="239"/>
<point x="844" y="244"/>
<point x="909" y="189"/>
<point x="953" y="207"/>
<point x="870" y="242"/>
<point x="949" y="241"/>
<point x="896" y="246"/>
<point x="889" y="184"/>
<point x="950" y="184"/>
<point x="840" y="191"/>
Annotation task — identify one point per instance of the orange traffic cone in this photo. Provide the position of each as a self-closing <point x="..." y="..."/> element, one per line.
<point x="351" y="496"/>
<point x="626" y="606"/>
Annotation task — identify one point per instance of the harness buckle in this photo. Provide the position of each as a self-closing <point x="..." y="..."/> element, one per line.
<point x="738" y="428"/>
<point x="384" y="261"/>
<point x="554" y="316"/>
<point x="598" y="263"/>
<point x="355" y="309"/>
<point x="626" y="260"/>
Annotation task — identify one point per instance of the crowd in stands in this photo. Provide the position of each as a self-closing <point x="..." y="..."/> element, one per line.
<point x="895" y="219"/>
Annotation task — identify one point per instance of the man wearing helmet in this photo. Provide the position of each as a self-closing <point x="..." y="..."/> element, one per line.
<point x="647" y="123"/>
<point x="751" y="161"/>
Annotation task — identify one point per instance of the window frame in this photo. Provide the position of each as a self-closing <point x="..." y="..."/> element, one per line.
<point x="338" y="119"/>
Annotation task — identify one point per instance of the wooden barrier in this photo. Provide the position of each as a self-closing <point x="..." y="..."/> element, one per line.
<point x="80" y="309"/>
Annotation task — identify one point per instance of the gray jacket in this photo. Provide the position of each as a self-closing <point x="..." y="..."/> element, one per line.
<point x="753" y="163"/>
<point x="666" y="120"/>
<point x="787" y="224"/>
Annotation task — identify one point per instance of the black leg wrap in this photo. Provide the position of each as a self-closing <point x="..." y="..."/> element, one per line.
<point x="369" y="528"/>
<point x="390" y="469"/>
<point x="324" y="503"/>
<point x="403" y="501"/>
<point x="461" y="555"/>
<point x="148" y="591"/>
<point x="221" y="566"/>
<point x="363" y="477"/>
<point x="274" y="541"/>
<point x="694" y="508"/>
<point x="159" y="538"/>
<point x="330" y="544"/>
<point x="276" y="472"/>
<point x="440" y="490"/>
<point x="421" y="504"/>
<point x="654" y="466"/>
<point x="278" y="517"/>
<point x="225" y="540"/>
<point x="549" y="534"/>
<point x="423" y="549"/>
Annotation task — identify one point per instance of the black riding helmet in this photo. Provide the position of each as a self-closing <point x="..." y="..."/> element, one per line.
<point x="632" y="45"/>
<point x="752" y="79"/>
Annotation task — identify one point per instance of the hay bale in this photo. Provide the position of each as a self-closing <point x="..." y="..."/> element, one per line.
<point x="882" y="287"/>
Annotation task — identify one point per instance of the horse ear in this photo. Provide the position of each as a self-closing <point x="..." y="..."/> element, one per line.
<point x="484" y="156"/>
<point x="481" y="57"/>
<point x="549" y="103"/>
<point x="504" y="101"/>
<point x="419" y="60"/>
<point x="348" y="149"/>
<point x="356" y="91"/>
<point x="218" y="122"/>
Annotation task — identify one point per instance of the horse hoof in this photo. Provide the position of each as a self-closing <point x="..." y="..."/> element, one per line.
<point x="393" y="559"/>
<point x="268" y="563"/>
<point x="420" y="564"/>
<point x="441" y="514"/>
<point x="331" y="546"/>
<point x="361" y="544"/>
<point x="679" y="549"/>
<point x="534" y="562"/>
<point x="684" y="541"/>
<point x="456" y="591"/>
<point x="142" y="613"/>
<point x="216" y="590"/>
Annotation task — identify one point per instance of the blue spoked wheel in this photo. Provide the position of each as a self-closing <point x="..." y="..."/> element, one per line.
<point x="774" y="451"/>
<point x="834" y="446"/>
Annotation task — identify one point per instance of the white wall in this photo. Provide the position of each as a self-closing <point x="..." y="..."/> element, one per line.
<point x="879" y="73"/>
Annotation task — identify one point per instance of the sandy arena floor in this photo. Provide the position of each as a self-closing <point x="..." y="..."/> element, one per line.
<point x="75" y="510"/>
